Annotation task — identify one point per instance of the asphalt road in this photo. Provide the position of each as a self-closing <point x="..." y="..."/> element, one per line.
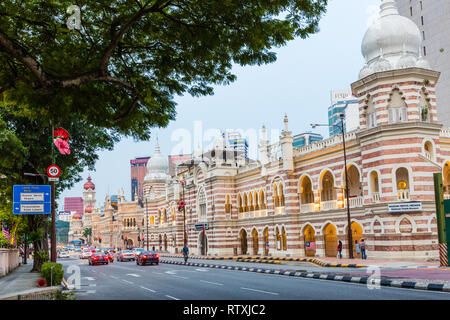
<point x="128" y="281"/>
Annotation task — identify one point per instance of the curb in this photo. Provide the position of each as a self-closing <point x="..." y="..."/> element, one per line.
<point x="264" y="258"/>
<point x="323" y="276"/>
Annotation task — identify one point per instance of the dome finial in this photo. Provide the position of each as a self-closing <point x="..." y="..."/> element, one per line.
<point x="388" y="7"/>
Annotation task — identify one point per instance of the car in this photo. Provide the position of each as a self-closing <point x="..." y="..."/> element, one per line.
<point x="77" y="249"/>
<point x="85" y="254"/>
<point x="137" y="251"/>
<point x="147" y="257"/>
<point x="110" y="256"/>
<point x="97" y="258"/>
<point x="63" y="254"/>
<point x="125" y="255"/>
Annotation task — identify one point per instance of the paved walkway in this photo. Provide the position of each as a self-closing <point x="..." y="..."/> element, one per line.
<point x="20" y="279"/>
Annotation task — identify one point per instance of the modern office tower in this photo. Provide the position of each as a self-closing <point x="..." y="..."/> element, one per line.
<point x="138" y="172"/>
<point x="342" y="101"/>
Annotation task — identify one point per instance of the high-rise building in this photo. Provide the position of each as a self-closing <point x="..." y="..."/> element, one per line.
<point x="175" y="160"/>
<point x="235" y="142"/>
<point x="433" y="19"/>
<point x="342" y="101"/>
<point x="304" y="139"/>
<point x="73" y="204"/>
<point x="138" y="171"/>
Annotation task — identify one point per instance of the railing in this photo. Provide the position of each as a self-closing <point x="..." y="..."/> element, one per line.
<point x="336" y="139"/>
<point x="428" y="155"/>
<point x="328" y="205"/>
<point x="355" y="202"/>
<point x="261" y="213"/>
<point x="307" y="207"/>
<point x="375" y="197"/>
<point x="403" y="195"/>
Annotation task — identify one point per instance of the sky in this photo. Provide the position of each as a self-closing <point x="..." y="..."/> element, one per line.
<point x="297" y="84"/>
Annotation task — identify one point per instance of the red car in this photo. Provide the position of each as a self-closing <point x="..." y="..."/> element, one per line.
<point x="147" y="257"/>
<point x="97" y="258"/>
<point x="110" y="256"/>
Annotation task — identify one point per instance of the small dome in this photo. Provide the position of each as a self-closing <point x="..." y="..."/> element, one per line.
<point x="422" y="63"/>
<point x="382" y="64"/>
<point x="365" y="71"/>
<point x="157" y="166"/>
<point x="89" y="185"/>
<point x="77" y="216"/>
<point x="88" y="209"/>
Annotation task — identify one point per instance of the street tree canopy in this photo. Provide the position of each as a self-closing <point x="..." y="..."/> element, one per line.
<point x="122" y="69"/>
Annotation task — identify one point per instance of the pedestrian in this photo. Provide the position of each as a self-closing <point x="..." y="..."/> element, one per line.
<point x="357" y="248"/>
<point x="185" y="252"/>
<point x="362" y="245"/>
<point x="339" y="249"/>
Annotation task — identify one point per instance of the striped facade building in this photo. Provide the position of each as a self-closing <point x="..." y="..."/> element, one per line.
<point x="292" y="202"/>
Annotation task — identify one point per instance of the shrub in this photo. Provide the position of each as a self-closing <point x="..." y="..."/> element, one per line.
<point x="57" y="273"/>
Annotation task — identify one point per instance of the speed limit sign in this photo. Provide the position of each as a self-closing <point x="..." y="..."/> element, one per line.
<point x="53" y="171"/>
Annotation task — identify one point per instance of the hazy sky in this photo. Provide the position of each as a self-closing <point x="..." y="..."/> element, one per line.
<point x="298" y="84"/>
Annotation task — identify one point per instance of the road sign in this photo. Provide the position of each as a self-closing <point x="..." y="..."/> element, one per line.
<point x="28" y="199"/>
<point x="53" y="171"/>
<point x="53" y="179"/>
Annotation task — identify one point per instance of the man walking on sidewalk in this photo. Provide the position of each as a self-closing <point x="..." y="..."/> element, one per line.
<point x="339" y="249"/>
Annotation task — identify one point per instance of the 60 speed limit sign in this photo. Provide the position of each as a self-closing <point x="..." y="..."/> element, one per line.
<point x="53" y="171"/>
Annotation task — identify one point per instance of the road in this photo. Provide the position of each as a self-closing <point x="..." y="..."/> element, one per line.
<point x="128" y="281"/>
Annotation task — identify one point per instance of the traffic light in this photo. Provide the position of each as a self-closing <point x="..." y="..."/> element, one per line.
<point x="181" y="206"/>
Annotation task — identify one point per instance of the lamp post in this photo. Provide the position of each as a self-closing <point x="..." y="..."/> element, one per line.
<point x="349" y="229"/>
<point x="141" y="204"/>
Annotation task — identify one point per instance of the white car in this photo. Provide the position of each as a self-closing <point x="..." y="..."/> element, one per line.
<point x="85" y="254"/>
<point x="64" y="254"/>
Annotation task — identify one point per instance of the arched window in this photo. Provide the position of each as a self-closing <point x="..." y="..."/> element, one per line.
<point x="371" y="114"/>
<point x="306" y="192"/>
<point x="245" y="203"/>
<point x="255" y="197"/>
<point x="328" y="192"/>
<point x="402" y="183"/>
<point x="227" y="205"/>
<point x="429" y="154"/>
<point x="397" y="107"/>
<point x="262" y="202"/>
<point x="284" y="239"/>
<point x="276" y="201"/>
<point x="446" y="180"/>
<point x="281" y="194"/>
<point x="424" y="107"/>
<point x="250" y="202"/>
<point x="241" y="209"/>
<point x="201" y="205"/>
<point x="374" y="186"/>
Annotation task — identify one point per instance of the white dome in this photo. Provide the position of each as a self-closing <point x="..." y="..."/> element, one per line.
<point x="390" y="38"/>
<point x="157" y="166"/>
<point x="365" y="71"/>
<point x="422" y="63"/>
<point x="407" y="61"/>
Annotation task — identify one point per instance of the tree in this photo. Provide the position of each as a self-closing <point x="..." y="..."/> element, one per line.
<point x="25" y="146"/>
<point x="129" y="58"/>
<point x="87" y="233"/>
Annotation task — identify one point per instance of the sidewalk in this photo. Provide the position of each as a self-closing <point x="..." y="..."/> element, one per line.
<point x="21" y="279"/>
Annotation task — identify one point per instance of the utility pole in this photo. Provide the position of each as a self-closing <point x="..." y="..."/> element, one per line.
<point x="146" y="222"/>
<point x="440" y="219"/>
<point x="53" y="236"/>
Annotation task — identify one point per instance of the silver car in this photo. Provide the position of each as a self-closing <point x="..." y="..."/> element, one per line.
<point x="125" y="255"/>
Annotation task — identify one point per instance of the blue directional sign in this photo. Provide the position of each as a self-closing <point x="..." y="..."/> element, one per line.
<point x="29" y="199"/>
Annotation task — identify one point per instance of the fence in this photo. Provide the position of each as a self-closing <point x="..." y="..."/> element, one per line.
<point x="9" y="260"/>
<point x="49" y="293"/>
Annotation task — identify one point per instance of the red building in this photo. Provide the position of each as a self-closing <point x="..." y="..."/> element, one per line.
<point x="73" y="204"/>
<point x="138" y="172"/>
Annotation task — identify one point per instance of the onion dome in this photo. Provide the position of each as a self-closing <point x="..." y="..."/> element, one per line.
<point x="422" y="63"/>
<point x="365" y="71"/>
<point x="77" y="216"/>
<point x="88" y="209"/>
<point x="157" y="166"/>
<point x="89" y="185"/>
<point x="391" y="38"/>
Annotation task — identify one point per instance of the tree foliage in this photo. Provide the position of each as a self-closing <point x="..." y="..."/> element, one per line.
<point x="122" y="69"/>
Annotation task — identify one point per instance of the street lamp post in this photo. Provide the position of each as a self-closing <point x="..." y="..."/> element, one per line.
<point x="146" y="223"/>
<point x="349" y="229"/>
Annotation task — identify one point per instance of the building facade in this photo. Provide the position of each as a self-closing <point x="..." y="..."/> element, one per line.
<point x="292" y="201"/>
<point x="138" y="172"/>
<point x="432" y="18"/>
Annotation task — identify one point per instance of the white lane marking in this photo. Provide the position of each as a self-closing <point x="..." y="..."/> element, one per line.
<point x="114" y="277"/>
<point x="203" y="270"/>
<point x="127" y="281"/>
<point x="147" y="289"/>
<point x="133" y="275"/>
<point x="157" y="272"/>
<point x="172" y="297"/>
<point x="170" y="272"/>
<point x="216" y="283"/>
<point x="180" y="277"/>
<point x="274" y="293"/>
<point x="89" y="278"/>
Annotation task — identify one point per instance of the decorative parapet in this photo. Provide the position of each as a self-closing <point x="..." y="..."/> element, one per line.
<point x="334" y="140"/>
<point x="445" y="133"/>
